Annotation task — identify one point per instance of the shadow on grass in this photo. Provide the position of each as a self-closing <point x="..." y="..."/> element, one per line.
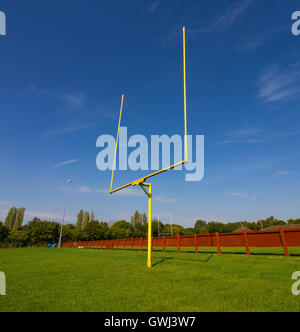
<point x="241" y="253"/>
<point x="214" y="252"/>
<point x="162" y="260"/>
<point x="211" y="253"/>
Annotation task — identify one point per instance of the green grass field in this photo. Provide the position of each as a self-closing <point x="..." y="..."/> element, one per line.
<point x="100" y="280"/>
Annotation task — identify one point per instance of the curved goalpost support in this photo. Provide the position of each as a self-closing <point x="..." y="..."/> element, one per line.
<point x="117" y="141"/>
<point x="142" y="181"/>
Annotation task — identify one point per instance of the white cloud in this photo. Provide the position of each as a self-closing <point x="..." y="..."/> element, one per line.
<point x="256" y="166"/>
<point x="251" y="44"/>
<point x="245" y="135"/>
<point x="127" y="192"/>
<point x="67" y="129"/>
<point x="153" y="7"/>
<point x="231" y="14"/>
<point x="73" y="101"/>
<point x="255" y="135"/>
<point x="69" y="100"/>
<point x="41" y="215"/>
<point x="3" y="214"/>
<point x="279" y="84"/>
<point x="76" y="104"/>
<point x="66" y="163"/>
<point x="283" y="173"/>
<point x="164" y="200"/>
<point x="237" y="194"/>
<point x="130" y="192"/>
<point x="103" y="191"/>
<point x="46" y="216"/>
<point x="245" y="132"/>
<point x="80" y="189"/>
<point x="5" y="203"/>
<point x="122" y="216"/>
<point x="227" y="18"/>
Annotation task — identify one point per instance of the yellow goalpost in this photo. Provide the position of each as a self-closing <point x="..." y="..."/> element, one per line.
<point x="142" y="181"/>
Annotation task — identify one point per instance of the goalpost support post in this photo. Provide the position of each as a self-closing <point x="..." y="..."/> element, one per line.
<point x="149" y="194"/>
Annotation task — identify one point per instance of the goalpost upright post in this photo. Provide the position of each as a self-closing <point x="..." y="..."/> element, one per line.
<point x="142" y="182"/>
<point x="185" y="102"/>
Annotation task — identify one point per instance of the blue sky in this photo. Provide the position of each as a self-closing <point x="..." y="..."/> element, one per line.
<point x="64" y="65"/>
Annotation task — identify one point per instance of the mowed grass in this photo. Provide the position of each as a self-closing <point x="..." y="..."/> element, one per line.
<point x="118" y="280"/>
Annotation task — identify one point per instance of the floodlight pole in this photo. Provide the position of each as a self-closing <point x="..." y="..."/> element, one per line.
<point x="171" y="219"/>
<point x="256" y="200"/>
<point x="63" y="220"/>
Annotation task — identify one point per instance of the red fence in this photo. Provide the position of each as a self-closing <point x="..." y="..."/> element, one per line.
<point x="278" y="238"/>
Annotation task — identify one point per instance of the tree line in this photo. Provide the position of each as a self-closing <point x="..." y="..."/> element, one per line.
<point x="87" y="228"/>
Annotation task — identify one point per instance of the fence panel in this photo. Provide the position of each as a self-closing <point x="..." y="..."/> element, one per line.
<point x="264" y="239"/>
<point x="187" y="241"/>
<point x="232" y="240"/>
<point x="277" y="238"/>
<point x="171" y="241"/>
<point x="292" y="238"/>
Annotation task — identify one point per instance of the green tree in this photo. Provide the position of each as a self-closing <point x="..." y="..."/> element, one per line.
<point x="232" y="227"/>
<point x="97" y="231"/>
<point x="120" y="230"/>
<point x="138" y="225"/>
<point x="68" y="233"/>
<point x="105" y="231"/>
<point x="200" y="226"/>
<point x="271" y="221"/>
<point x="79" y="219"/>
<point x="31" y="223"/>
<point x="19" y="238"/>
<point x="173" y="230"/>
<point x="158" y="228"/>
<point x="92" y="218"/>
<point x="19" y="219"/>
<point x="79" y="235"/>
<point x="189" y="231"/>
<point x="214" y="227"/>
<point x="44" y="232"/>
<point x="294" y="221"/>
<point x="86" y="220"/>
<point x="10" y="218"/>
<point x="3" y="232"/>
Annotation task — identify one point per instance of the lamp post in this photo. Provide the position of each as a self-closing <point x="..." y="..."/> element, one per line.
<point x="256" y="200"/>
<point x="171" y="219"/>
<point x="63" y="220"/>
